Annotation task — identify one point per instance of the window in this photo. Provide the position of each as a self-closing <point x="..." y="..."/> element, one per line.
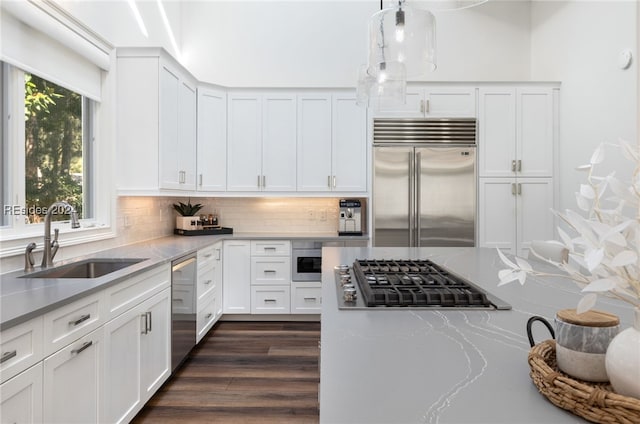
<point x="57" y="162"/>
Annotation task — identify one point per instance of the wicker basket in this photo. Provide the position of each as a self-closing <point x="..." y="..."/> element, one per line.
<point x="595" y="402"/>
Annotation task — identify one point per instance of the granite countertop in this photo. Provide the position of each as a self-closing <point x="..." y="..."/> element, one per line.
<point x="24" y="298"/>
<point x="436" y="366"/>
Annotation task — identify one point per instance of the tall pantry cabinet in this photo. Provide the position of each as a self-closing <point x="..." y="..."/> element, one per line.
<point x="517" y="131"/>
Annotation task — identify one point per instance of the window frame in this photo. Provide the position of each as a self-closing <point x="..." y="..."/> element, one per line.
<point x="14" y="233"/>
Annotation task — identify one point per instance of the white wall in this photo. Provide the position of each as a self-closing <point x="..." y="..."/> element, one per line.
<point x="322" y="43"/>
<point x="578" y="43"/>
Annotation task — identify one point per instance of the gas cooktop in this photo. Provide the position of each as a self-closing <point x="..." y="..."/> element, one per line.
<point x="413" y="284"/>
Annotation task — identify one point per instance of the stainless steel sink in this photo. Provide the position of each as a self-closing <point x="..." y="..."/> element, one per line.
<point x="88" y="268"/>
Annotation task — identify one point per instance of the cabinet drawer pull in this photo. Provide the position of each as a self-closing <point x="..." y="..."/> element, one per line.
<point x="310" y="299"/>
<point x="208" y="255"/>
<point x="209" y="315"/>
<point x="150" y="321"/>
<point x="8" y="355"/>
<point x="206" y="283"/>
<point x="270" y="301"/>
<point x="80" y="320"/>
<point x="270" y="248"/>
<point x="145" y="326"/>
<point x="273" y="271"/>
<point x="84" y="346"/>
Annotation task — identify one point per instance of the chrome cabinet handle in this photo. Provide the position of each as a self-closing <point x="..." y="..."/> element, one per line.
<point x="519" y="188"/>
<point x="209" y="315"/>
<point x="218" y="257"/>
<point x="421" y="106"/>
<point x="80" y="320"/>
<point x="145" y="326"/>
<point x="270" y="248"/>
<point x="258" y="181"/>
<point x="329" y="181"/>
<point x="334" y="181"/>
<point x="150" y="321"/>
<point x="84" y="346"/>
<point x="206" y="283"/>
<point x="519" y="165"/>
<point x="8" y="355"/>
<point x="273" y="271"/>
<point x="513" y="165"/>
<point x="264" y="181"/>
<point x="200" y="180"/>
<point x="514" y="190"/>
<point x="208" y="255"/>
<point x="427" y="107"/>
<point x="270" y="301"/>
<point x="310" y="299"/>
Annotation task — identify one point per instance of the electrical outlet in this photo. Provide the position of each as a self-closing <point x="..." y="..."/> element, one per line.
<point x="160" y="215"/>
<point x="323" y="214"/>
<point x="127" y="221"/>
<point x="311" y="214"/>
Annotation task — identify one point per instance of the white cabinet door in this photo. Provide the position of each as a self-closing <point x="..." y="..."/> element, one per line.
<point x="450" y="102"/>
<point x="155" y="343"/>
<point x="314" y="142"/>
<point x="236" y="277"/>
<point x="497" y="213"/>
<point x="349" y="145"/>
<point x="72" y="381"/>
<point x="497" y="131"/>
<point x="535" y="219"/>
<point x="535" y="131"/>
<point x="278" y="142"/>
<point x="21" y="397"/>
<point x="212" y="140"/>
<point x="122" y="386"/>
<point x="169" y="128"/>
<point x="187" y="119"/>
<point x="21" y="346"/>
<point x="244" y="154"/>
<point x="412" y="108"/>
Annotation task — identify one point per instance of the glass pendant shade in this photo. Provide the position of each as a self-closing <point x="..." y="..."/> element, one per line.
<point x="404" y="35"/>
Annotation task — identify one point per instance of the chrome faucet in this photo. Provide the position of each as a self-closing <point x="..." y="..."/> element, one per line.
<point x="51" y="247"/>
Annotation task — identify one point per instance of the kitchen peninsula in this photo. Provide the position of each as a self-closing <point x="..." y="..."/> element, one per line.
<point x="436" y="366"/>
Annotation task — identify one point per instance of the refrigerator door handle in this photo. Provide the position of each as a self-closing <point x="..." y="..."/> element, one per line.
<point x="411" y="217"/>
<point x="417" y="195"/>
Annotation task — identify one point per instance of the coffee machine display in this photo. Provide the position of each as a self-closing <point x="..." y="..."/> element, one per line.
<point x="350" y="214"/>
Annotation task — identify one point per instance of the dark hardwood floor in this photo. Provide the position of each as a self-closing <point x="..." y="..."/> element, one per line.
<point x="244" y="372"/>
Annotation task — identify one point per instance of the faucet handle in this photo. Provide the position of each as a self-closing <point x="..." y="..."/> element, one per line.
<point x="56" y="233"/>
<point x="28" y="257"/>
<point x="54" y="243"/>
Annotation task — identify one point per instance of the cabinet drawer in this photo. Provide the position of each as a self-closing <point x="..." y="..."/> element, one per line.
<point x="270" y="299"/>
<point x="72" y="321"/>
<point x="208" y="256"/>
<point x="271" y="270"/>
<point x="134" y="290"/>
<point x="20" y="347"/>
<point x="207" y="316"/>
<point x="306" y="298"/>
<point x="270" y="248"/>
<point x="206" y="281"/>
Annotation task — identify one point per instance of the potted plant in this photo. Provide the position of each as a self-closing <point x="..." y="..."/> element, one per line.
<point x="604" y="257"/>
<point x="187" y="219"/>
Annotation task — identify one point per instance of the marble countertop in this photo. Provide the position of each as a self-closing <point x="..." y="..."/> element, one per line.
<point x="23" y="298"/>
<point x="438" y="366"/>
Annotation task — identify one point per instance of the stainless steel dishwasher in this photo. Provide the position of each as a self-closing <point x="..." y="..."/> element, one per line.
<point x="184" y="274"/>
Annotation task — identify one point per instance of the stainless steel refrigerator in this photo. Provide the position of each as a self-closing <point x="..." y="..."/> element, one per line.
<point x="424" y="183"/>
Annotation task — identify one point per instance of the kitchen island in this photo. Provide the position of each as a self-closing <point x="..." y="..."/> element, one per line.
<point x="439" y="366"/>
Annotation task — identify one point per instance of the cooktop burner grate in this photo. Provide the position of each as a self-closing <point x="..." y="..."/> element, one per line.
<point x="414" y="283"/>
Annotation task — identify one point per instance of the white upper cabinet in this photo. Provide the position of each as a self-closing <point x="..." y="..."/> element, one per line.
<point x="433" y="101"/>
<point x="156" y="122"/>
<point x="516" y="132"/>
<point x="212" y="140"/>
<point x="261" y="142"/>
<point x="332" y="143"/>
<point x="314" y="142"/>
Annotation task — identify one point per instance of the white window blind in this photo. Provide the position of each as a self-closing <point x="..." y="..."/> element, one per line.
<point x="40" y="38"/>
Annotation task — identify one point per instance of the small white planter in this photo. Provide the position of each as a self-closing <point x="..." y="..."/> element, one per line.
<point x="186" y="222"/>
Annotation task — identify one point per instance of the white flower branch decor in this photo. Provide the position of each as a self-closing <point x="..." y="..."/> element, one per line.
<point x="604" y="252"/>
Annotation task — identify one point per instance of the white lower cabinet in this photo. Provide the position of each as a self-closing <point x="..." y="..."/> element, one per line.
<point x="514" y="212"/>
<point x="72" y="381"/>
<point x="236" y="278"/>
<point x="21" y="397"/>
<point x="306" y="297"/>
<point x="137" y="357"/>
<point x="270" y="299"/>
<point x="207" y="316"/>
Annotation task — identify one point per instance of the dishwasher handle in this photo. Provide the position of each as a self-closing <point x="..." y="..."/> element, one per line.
<point x="181" y="263"/>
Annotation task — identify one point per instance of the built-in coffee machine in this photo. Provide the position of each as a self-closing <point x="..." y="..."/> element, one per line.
<point x="350" y="218"/>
